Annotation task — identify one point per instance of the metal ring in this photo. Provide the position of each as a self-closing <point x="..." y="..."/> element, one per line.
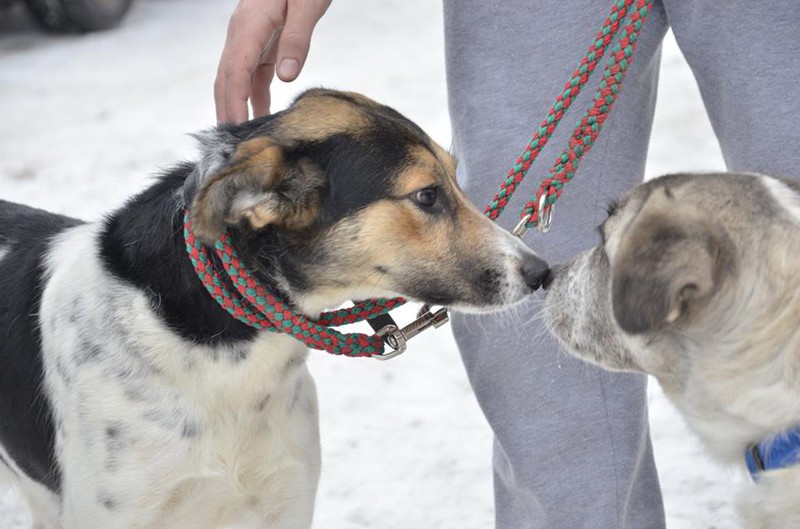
<point x="394" y="338"/>
<point x="521" y="228"/>
<point x="545" y="211"/>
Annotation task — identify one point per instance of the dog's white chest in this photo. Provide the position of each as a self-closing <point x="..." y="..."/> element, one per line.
<point x="153" y="431"/>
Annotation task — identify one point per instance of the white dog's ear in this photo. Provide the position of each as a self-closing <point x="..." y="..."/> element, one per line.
<point x="260" y="184"/>
<point x="670" y="263"/>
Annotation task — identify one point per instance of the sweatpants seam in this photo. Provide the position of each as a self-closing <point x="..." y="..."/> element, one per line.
<point x="613" y="447"/>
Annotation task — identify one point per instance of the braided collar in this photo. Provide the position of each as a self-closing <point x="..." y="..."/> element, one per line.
<point x="255" y="304"/>
<point x="776" y="452"/>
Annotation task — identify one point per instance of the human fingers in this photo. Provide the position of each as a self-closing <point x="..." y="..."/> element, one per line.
<point x="301" y="17"/>
<point x="253" y="25"/>
<point x="260" y="89"/>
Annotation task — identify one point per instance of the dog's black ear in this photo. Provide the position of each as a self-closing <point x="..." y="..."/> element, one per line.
<point x="260" y="184"/>
<point x="669" y="264"/>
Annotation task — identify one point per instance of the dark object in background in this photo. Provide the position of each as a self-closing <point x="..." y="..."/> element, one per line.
<point x="65" y="16"/>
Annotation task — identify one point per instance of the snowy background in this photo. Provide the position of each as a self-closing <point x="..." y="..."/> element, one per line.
<point x="85" y="121"/>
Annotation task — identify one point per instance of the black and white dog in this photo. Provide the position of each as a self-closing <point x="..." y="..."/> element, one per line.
<point x="129" y="398"/>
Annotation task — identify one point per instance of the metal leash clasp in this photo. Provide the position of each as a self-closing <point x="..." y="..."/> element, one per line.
<point x="397" y="339"/>
<point x="545" y="218"/>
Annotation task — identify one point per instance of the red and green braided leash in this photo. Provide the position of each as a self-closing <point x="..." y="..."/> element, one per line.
<point x="592" y="121"/>
<point x="261" y="308"/>
<point x="257" y="306"/>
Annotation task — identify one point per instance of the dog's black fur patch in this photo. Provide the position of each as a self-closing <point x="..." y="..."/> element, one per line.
<point x="26" y="419"/>
<point x="143" y="244"/>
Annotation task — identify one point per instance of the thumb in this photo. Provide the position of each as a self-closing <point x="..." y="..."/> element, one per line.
<point x="295" y="39"/>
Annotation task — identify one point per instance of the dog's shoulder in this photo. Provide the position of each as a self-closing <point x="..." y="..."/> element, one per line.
<point x="26" y="426"/>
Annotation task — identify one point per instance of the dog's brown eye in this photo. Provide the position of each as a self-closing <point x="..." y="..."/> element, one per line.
<point x="427" y="197"/>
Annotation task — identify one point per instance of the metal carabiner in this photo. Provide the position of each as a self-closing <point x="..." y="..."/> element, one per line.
<point x="397" y="339"/>
<point x="394" y="338"/>
<point x="545" y="219"/>
<point x="545" y="214"/>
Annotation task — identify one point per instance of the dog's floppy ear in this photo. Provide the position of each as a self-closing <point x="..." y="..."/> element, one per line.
<point x="669" y="264"/>
<point x="259" y="185"/>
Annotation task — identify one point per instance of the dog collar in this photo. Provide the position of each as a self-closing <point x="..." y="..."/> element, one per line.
<point x="779" y="451"/>
<point x="255" y="304"/>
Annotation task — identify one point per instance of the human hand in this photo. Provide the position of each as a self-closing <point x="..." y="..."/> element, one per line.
<point x="262" y="35"/>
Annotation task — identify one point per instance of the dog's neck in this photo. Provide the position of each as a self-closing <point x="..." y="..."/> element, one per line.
<point x="142" y="243"/>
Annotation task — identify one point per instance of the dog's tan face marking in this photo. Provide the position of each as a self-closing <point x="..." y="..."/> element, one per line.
<point x="427" y="166"/>
<point x="317" y="118"/>
<point x="696" y="283"/>
<point x="363" y="203"/>
<point x="447" y="254"/>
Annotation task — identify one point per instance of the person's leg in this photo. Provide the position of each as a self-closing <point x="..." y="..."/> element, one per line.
<point x="572" y="447"/>
<point x="746" y="58"/>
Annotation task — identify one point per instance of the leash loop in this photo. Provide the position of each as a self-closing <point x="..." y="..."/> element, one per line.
<point x="545" y="218"/>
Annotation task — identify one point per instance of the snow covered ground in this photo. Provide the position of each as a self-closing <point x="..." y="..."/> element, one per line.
<point x="86" y="120"/>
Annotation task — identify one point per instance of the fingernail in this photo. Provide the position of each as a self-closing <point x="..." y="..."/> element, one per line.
<point x="289" y="68"/>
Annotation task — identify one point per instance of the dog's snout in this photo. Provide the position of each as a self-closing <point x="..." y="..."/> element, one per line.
<point x="536" y="271"/>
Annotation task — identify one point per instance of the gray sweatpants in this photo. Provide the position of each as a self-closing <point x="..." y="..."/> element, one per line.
<point x="572" y="447"/>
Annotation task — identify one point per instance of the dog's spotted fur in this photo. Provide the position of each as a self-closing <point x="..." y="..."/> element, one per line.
<point x="130" y="399"/>
<point x="696" y="282"/>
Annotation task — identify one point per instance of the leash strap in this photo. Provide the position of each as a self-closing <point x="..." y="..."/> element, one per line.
<point x="381" y="321"/>
<point x="262" y="308"/>
<point x="590" y="124"/>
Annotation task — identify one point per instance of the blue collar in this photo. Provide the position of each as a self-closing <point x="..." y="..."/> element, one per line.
<point x="779" y="451"/>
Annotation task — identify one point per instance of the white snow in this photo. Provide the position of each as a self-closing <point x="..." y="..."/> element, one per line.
<point x="86" y="120"/>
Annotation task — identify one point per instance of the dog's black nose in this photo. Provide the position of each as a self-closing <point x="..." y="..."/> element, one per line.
<point x="536" y="271"/>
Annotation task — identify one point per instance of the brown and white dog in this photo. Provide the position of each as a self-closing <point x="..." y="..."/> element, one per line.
<point x="130" y="399"/>
<point x="696" y="282"/>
